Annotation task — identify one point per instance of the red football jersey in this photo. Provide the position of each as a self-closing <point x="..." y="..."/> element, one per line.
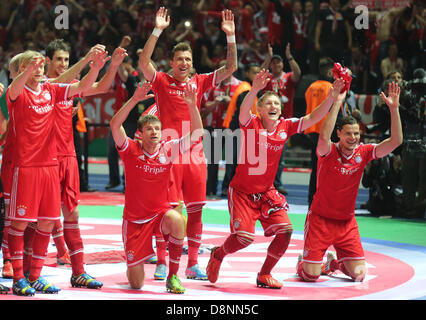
<point x="285" y="88"/>
<point x="9" y="143"/>
<point x="32" y="116"/>
<point x="260" y="154"/>
<point x="172" y="108"/>
<point x="147" y="178"/>
<point x="217" y="115"/>
<point x="63" y="126"/>
<point x="338" y="180"/>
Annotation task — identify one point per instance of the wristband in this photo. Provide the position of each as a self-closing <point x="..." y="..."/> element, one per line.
<point x="290" y="59"/>
<point x="230" y="39"/>
<point x="156" y="32"/>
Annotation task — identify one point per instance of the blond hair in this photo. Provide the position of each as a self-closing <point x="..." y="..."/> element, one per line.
<point x="14" y="63"/>
<point x="27" y="56"/>
<point x="267" y="94"/>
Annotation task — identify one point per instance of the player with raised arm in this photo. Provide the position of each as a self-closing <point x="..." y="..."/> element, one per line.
<point x="331" y="218"/>
<point x="58" y="53"/>
<point x="35" y="186"/>
<point x="189" y="175"/>
<point x="252" y="198"/>
<point x="147" y="166"/>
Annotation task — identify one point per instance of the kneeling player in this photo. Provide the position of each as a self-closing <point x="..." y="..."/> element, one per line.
<point x="331" y="218"/>
<point x="147" y="165"/>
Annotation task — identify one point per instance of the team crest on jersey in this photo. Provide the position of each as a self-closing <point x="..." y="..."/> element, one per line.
<point x="236" y="223"/>
<point x="162" y="159"/>
<point x="21" y="210"/>
<point x="283" y="135"/>
<point x="130" y="255"/>
<point x="358" y="159"/>
<point x="47" y="96"/>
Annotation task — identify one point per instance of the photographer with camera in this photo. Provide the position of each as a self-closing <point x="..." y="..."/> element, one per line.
<point x="413" y="175"/>
<point x="383" y="176"/>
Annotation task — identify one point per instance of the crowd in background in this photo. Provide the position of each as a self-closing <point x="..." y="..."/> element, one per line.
<point x="29" y="24"/>
<point x="392" y="47"/>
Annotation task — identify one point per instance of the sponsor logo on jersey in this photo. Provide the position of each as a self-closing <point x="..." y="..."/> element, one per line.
<point x="41" y="110"/>
<point x="153" y="169"/>
<point x="272" y="147"/>
<point x="66" y="104"/>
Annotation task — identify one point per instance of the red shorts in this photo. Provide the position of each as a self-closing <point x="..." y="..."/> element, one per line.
<point x="188" y="181"/>
<point x="137" y="239"/>
<point x="321" y="233"/>
<point x="6" y="179"/>
<point x="35" y="194"/>
<point x="70" y="182"/>
<point x="245" y="209"/>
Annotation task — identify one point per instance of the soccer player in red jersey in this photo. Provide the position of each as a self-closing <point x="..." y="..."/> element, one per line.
<point x="3" y="289"/>
<point x="189" y="175"/>
<point x="35" y="193"/>
<point x="57" y="60"/>
<point x="252" y="195"/>
<point x="331" y="218"/>
<point x="57" y="53"/>
<point x="6" y="176"/>
<point x="147" y="167"/>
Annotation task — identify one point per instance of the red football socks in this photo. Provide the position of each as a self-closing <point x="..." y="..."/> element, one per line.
<point x="75" y="244"/>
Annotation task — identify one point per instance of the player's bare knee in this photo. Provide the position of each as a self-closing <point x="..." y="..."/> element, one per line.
<point x="72" y="215"/>
<point x="310" y="272"/>
<point x="136" y="284"/>
<point x="358" y="274"/>
<point x="136" y="278"/>
<point x="45" y="225"/>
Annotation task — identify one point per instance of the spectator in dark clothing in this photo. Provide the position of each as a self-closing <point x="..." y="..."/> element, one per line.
<point x="333" y="34"/>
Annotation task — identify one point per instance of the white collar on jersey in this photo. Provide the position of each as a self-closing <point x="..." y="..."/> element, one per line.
<point x="31" y="90"/>
<point x="350" y="156"/>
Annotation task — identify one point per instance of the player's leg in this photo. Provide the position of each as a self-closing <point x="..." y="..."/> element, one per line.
<point x="48" y="209"/>
<point x="350" y="254"/>
<point x="137" y="240"/>
<point x="356" y="269"/>
<point x="136" y="276"/>
<point x="316" y="241"/>
<point x="72" y="236"/>
<point x="6" y="175"/>
<point x="279" y="225"/>
<point x="70" y="194"/>
<point x="309" y="272"/>
<point x="242" y="223"/>
<point x="7" y="271"/>
<point x="194" y="195"/>
<point x="23" y="200"/>
<point x="172" y="226"/>
<point x="39" y="249"/>
<point x="21" y="286"/>
<point x="161" y="246"/>
<point x="62" y="256"/>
